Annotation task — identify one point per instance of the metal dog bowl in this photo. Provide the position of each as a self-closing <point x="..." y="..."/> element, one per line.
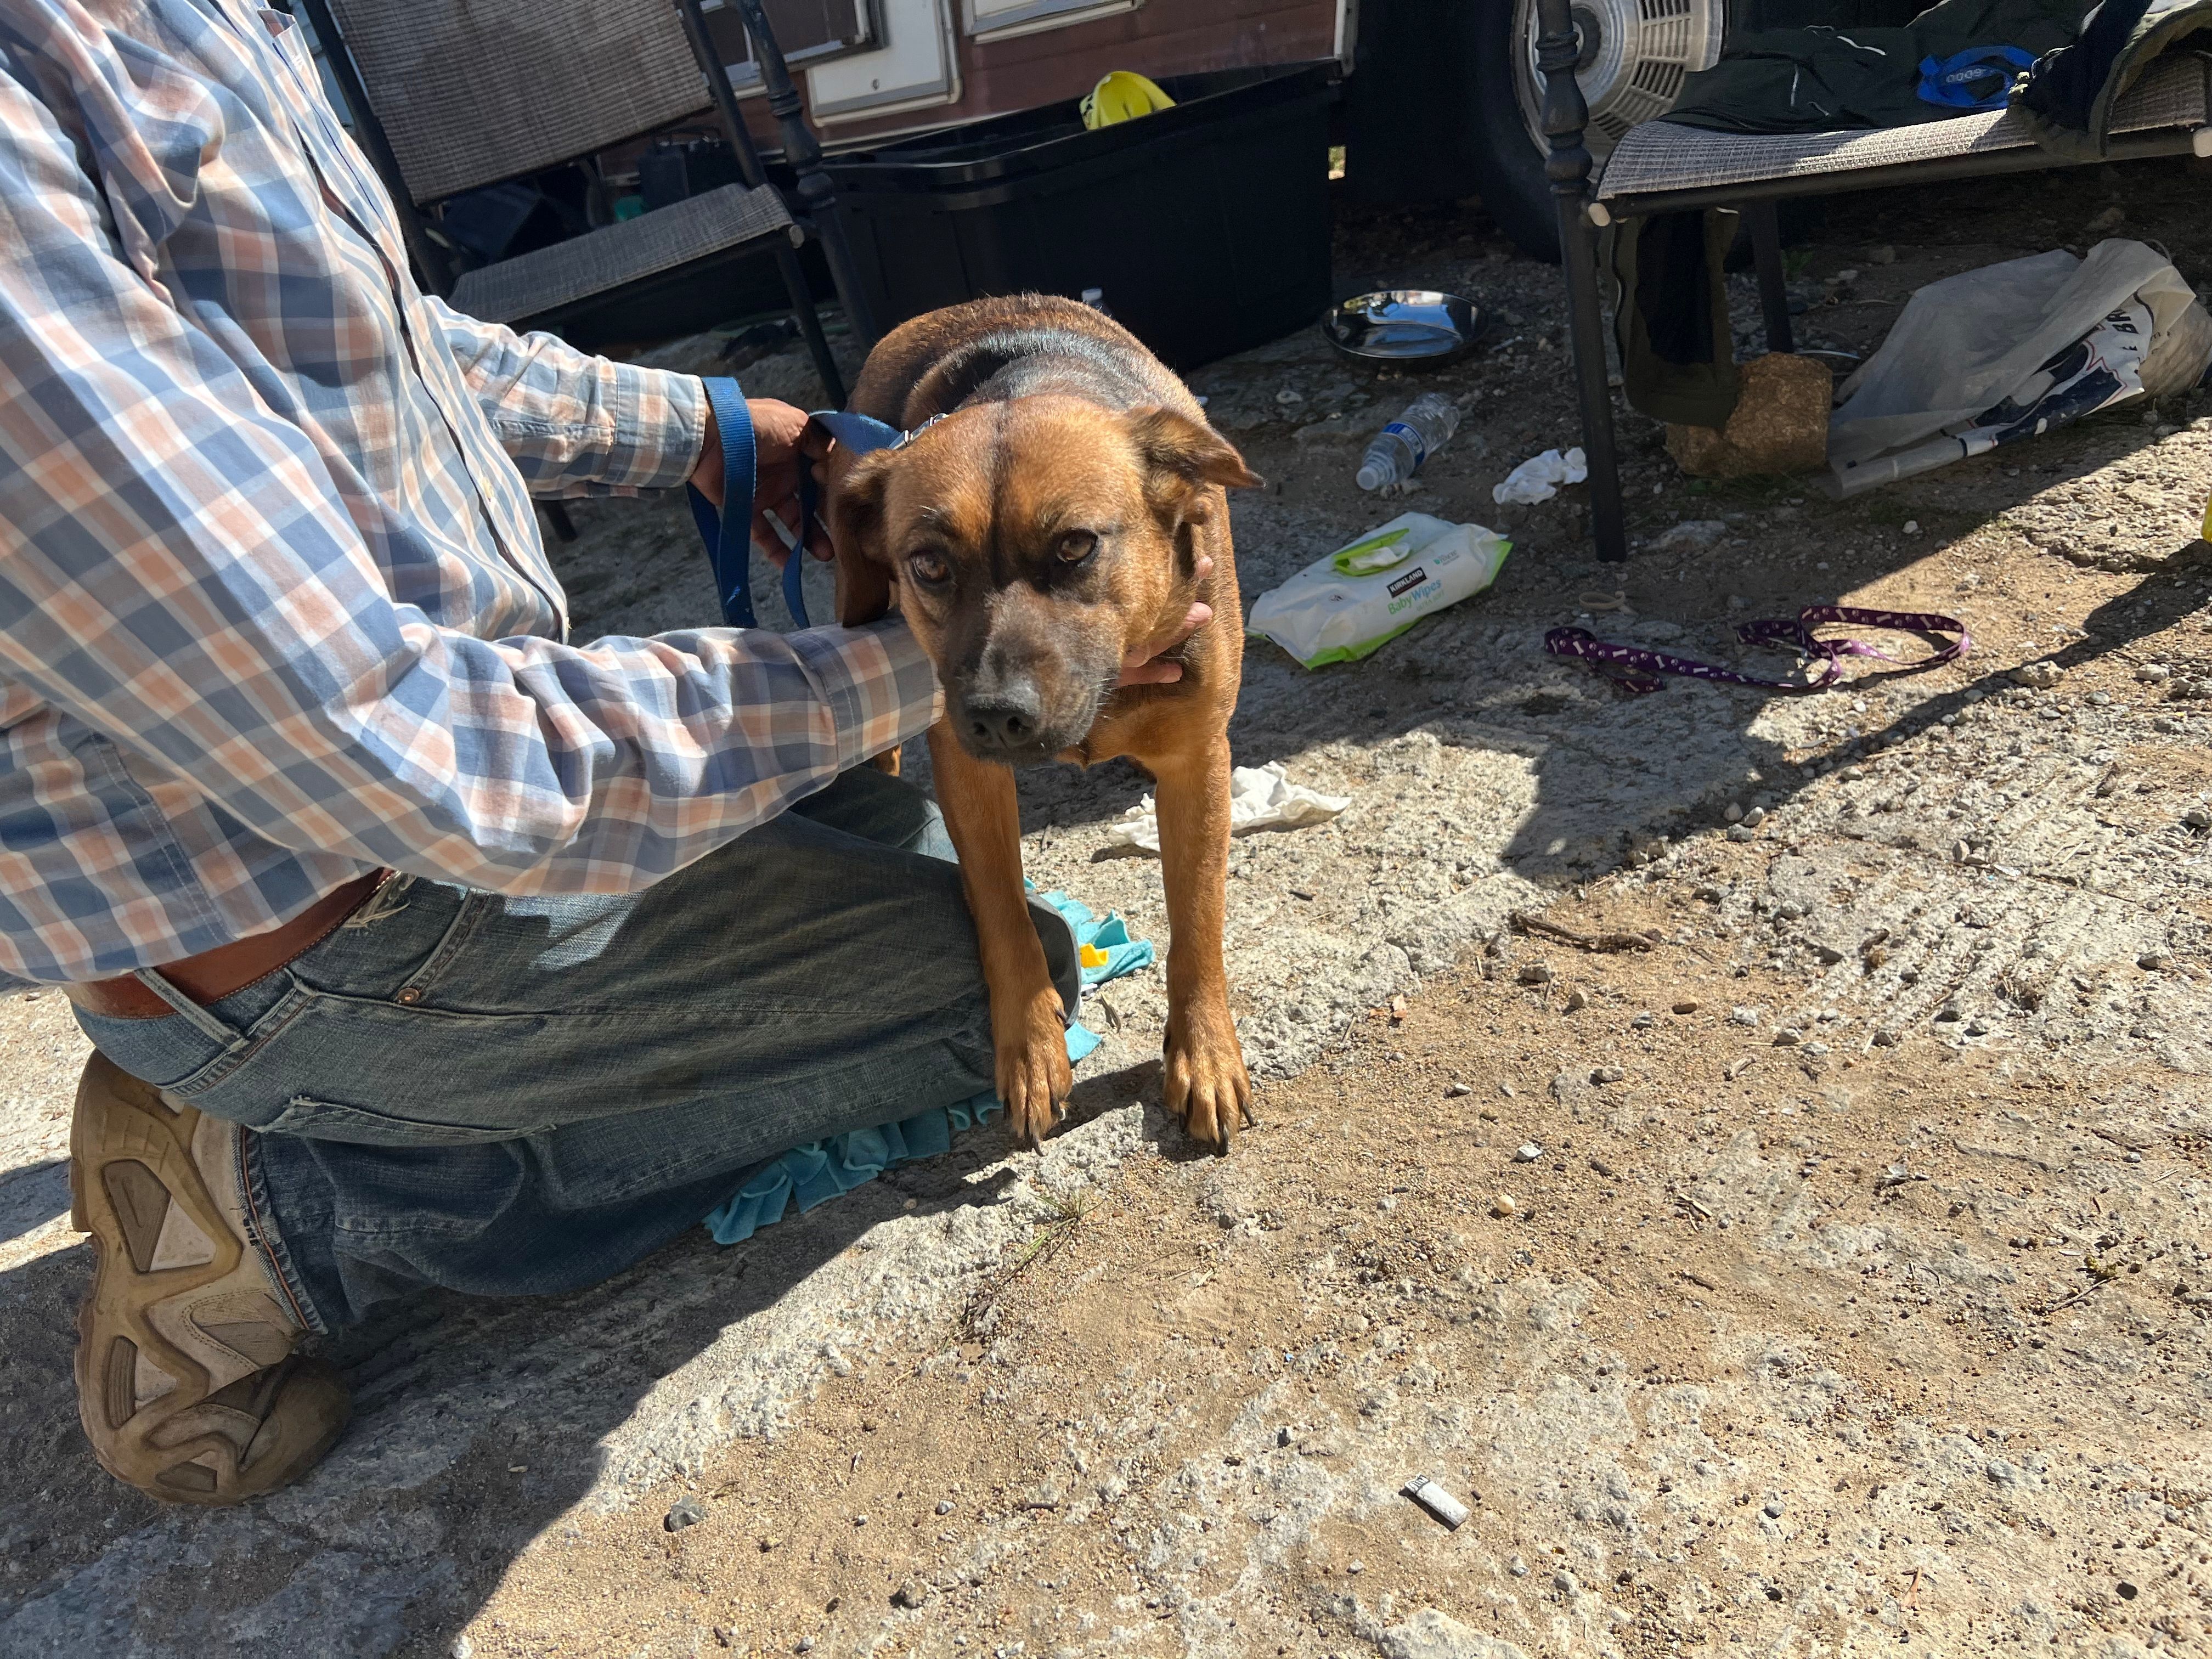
<point x="1404" y="328"/>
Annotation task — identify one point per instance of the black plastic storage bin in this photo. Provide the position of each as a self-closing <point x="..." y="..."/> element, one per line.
<point x="1206" y="226"/>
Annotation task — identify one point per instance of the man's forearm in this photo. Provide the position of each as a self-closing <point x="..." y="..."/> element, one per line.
<point x="575" y="424"/>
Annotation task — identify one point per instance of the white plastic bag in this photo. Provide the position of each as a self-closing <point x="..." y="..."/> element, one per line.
<point x="1339" y="607"/>
<point x="1260" y="798"/>
<point x="1965" y="347"/>
<point x="1539" y="477"/>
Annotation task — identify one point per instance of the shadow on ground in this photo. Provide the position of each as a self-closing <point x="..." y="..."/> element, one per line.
<point x="478" y="1425"/>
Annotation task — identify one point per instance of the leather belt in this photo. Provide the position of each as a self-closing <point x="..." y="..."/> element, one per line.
<point x="214" y="975"/>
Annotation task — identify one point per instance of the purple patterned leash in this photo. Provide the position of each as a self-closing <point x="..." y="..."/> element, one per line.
<point x="1636" y="668"/>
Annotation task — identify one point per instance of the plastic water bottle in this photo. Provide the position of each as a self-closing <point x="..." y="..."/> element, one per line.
<point x="1096" y="298"/>
<point x="1400" y="448"/>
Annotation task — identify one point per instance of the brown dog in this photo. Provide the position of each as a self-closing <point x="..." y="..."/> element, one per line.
<point x="1052" y="523"/>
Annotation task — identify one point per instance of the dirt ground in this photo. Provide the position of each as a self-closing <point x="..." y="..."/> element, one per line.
<point x="1870" y="1319"/>
<point x="1735" y="1345"/>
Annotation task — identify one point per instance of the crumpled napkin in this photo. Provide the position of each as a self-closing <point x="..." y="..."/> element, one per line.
<point x="1260" y="798"/>
<point x="1539" y="477"/>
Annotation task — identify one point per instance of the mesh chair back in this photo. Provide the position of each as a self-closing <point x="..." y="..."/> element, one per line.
<point x="470" y="92"/>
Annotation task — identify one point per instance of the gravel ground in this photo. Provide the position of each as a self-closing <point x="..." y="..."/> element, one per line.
<point x="1975" y="899"/>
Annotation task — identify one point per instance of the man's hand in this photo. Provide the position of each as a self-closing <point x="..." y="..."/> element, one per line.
<point x="781" y="437"/>
<point x="1139" y="669"/>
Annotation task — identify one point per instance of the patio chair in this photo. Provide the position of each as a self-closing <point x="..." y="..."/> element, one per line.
<point x="1664" y="167"/>
<point x="448" y="97"/>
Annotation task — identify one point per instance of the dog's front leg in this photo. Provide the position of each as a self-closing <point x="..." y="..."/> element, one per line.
<point x="1205" y="1082"/>
<point x="985" y="821"/>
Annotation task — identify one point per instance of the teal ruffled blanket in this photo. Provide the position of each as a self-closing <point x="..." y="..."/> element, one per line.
<point x="814" y="1173"/>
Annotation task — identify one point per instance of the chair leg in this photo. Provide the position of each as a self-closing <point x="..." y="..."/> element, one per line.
<point x="1773" y="280"/>
<point x="810" y="324"/>
<point x="802" y="152"/>
<point x="556" y="515"/>
<point x="1566" y="115"/>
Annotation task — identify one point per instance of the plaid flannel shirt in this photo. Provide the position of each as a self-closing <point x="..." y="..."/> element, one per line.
<point x="274" y="609"/>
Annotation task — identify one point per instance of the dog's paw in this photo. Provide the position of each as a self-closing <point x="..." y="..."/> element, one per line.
<point x="1033" y="1073"/>
<point x="1204" y="1081"/>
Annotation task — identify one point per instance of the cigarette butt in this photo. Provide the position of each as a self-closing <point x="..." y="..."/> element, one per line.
<point x="1436" y="1501"/>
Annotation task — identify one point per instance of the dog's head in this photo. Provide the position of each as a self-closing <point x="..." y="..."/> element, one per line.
<point x="1034" y="542"/>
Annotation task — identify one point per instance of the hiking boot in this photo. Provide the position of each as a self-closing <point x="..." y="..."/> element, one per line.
<point x="186" y="1380"/>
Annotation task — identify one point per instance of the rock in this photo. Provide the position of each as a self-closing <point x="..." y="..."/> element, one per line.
<point x="1502" y="1206"/>
<point x="2153" y="673"/>
<point x="1687" y="1006"/>
<point x="1431" y="1635"/>
<point x="1578" y="999"/>
<point x="1780" y="424"/>
<point x="1788" y="1038"/>
<point x="2153" y="960"/>
<point x="1772" y="1511"/>
<point x="464" y="1647"/>
<point x="1828" y="954"/>
<point x="1643" y="1022"/>
<point x="2107" y="222"/>
<point x="944" y="1506"/>
<point x="684" y="1512"/>
<point x="1912" y="527"/>
<point x="2039" y="676"/>
<point x="1534" y="973"/>
<point x="1741" y="832"/>
<point x="1735" y="813"/>
<point x="1527" y="1152"/>
<point x="910" y="1595"/>
<point x="1744" y="1016"/>
<point x="1756" y="817"/>
<point x="1607" y="1074"/>
<point x="1884" y="255"/>
<point x="1692" y="536"/>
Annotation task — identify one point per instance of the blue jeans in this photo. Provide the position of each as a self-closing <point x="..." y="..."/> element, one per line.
<point x="506" y="1096"/>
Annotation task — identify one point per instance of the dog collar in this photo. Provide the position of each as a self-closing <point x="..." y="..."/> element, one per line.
<point x="865" y="434"/>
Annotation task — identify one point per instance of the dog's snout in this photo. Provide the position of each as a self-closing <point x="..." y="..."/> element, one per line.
<point x="1010" y="718"/>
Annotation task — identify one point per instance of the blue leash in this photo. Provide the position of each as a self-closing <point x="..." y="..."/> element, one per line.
<point x="728" y="534"/>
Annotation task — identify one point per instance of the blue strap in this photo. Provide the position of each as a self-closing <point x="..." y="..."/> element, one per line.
<point x="1979" y="78"/>
<point x="858" y="433"/>
<point x="728" y="535"/>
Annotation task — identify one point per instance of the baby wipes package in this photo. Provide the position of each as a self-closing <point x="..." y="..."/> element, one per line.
<point x="1340" y="608"/>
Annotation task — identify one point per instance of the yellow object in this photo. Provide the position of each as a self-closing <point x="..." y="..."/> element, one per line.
<point x="1092" y="956"/>
<point x="2207" y="531"/>
<point x="1120" y="96"/>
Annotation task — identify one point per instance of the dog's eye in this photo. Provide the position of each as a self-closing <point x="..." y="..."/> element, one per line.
<point x="929" y="567"/>
<point x="1076" y="546"/>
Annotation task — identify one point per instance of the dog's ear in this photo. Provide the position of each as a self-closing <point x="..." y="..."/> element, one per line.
<point x="856" y="530"/>
<point x="1183" y="456"/>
